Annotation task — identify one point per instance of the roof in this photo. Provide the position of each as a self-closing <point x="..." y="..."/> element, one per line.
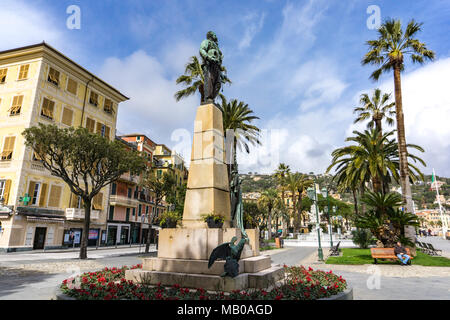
<point x="45" y="45"/>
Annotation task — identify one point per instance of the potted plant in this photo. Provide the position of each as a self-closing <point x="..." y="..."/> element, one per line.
<point x="214" y="220"/>
<point x="169" y="219"/>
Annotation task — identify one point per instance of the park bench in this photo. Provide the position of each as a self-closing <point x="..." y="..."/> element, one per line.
<point x="386" y="253"/>
<point x="335" y="250"/>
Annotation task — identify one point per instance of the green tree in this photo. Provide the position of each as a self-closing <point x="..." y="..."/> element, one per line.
<point x="268" y="202"/>
<point x="194" y="80"/>
<point x="280" y="176"/>
<point x="161" y="187"/>
<point x="86" y="162"/>
<point x="376" y="109"/>
<point x="387" y="53"/>
<point x="238" y="128"/>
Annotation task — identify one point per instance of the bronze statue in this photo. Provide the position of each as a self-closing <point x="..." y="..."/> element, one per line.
<point x="231" y="253"/>
<point x="211" y="66"/>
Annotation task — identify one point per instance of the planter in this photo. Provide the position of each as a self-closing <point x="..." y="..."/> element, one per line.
<point x="344" y="295"/>
<point x="214" y="223"/>
<point x="169" y="224"/>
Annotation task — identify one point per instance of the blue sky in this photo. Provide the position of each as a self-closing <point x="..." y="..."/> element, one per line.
<point x="296" y="63"/>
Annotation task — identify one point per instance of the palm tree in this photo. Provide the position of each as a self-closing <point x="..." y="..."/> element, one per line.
<point x="376" y="109"/>
<point x="373" y="159"/>
<point x="194" y="80"/>
<point x="303" y="183"/>
<point x="387" y="52"/>
<point x="280" y="175"/>
<point x="268" y="202"/>
<point x="237" y="117"/>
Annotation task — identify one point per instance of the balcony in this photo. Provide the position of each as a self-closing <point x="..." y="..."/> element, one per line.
<point x="78" y="214"/>
<point x="126" y="177"/>
<point x="116" y="200"/>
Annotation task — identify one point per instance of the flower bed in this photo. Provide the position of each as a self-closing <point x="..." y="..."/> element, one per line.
<point x="109" y="284"/>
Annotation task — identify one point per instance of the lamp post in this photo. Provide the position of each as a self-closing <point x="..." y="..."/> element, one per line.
<point x="325" y="195"/>
<point x="313" y="196"/>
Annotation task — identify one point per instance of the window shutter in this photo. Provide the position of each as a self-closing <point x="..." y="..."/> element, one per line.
<point x="107" y="131"/>
<point x="90" y="125"/>
<point x="55" y="196"/>
<point x="98" y="202"/>
<point x="72" y="86"/>
<point x="43" y="195"/>
<point x="6" y="191"/>
<point x="53" y="76"/>
<point x="16" y="105"/>
<point x="3" y="75"/>
<point x="31" y="189"/>
<point x="23" y="72"/>
<point x="47" y="108"/>
<point x="99" y="127"/>
<point x="8" y="148"/>
<point x="67" y="116"/>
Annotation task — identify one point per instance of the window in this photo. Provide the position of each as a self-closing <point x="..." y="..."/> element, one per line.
<point x="55" y="196"/>
<point x="53" y="77"/>
<point x="36" y="157"/>
<point x="129" y="193"/>
<point x="67" y="117"/>
<point x="76" y="201"/>
<point x="127" y="217"/>
<point x="103" y="130"/>
<point x="93" y="98"/>
<point x="33" y="192"/>
<point x="8" y="148"/>
<point x="113" y="188"/>
<point x="43" y="195"/>
<point x="111" y="213"/>
<point x="108" y="106"/>
<point x="3" y="73"/>
<point x="97" y="202"/>
<point x="47" y="108"/>
<point x="72" y="86"/>
<point x="134" y="211"/>
<point x="139" y="210"/>
<point x="16" y="106"/>
<point x="23" y="72"/>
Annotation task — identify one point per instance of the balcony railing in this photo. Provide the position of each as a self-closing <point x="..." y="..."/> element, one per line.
<point x="75" y="214"/>
<point x="124" y="201"/>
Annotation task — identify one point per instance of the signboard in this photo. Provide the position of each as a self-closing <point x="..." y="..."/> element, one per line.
<point x="93" y="234"/>
<point x="66" y="238"/>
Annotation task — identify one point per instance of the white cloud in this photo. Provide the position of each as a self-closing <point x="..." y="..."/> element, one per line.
<point x="426" y="107"/>
<point x="152" y="108"/>
<point x="23" y="24"/>
<point x="253" y="25"/>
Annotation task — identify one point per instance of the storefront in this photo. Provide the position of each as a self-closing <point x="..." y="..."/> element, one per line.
<point x="118" y="233"/>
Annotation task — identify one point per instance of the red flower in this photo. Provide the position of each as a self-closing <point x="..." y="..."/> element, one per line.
<point x="107" y="297"/>
<point x="101" y="280"/>
<point x="278" y="297"/>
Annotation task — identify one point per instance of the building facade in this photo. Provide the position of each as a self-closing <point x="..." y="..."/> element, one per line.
<point x="38" y="84"/>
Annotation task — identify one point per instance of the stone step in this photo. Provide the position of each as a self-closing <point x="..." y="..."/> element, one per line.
<point x="259" y="280"/>
<point x="248" y="265"/>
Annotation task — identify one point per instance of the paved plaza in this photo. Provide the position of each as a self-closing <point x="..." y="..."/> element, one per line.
<point x="35" y="275"/>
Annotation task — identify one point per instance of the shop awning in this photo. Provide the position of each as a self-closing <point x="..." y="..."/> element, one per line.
<point x="44" y="219"/>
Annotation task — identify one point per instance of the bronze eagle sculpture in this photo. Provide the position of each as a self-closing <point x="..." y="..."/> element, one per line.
<point x="229" y="252"/>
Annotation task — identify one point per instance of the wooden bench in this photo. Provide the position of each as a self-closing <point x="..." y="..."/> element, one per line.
<point x="386" y="253"/>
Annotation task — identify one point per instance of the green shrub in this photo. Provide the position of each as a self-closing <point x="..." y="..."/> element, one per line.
<point x="363" y="238"/>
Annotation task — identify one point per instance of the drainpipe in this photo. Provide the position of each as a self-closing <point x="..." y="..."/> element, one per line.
<point x="84" y="101"/>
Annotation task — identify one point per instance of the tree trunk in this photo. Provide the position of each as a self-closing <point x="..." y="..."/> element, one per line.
<point x="269" y="224"/>
<point x="85" y="233"/>
<point x="355" y="200"/>
<point x="150" y="222"/>
<point x="401" y="137"/>
<point x="403" y="152"/>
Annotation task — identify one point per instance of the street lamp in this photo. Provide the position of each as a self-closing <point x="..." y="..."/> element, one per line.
<point x="325" y="195"/>
<point x="313" y="196"/>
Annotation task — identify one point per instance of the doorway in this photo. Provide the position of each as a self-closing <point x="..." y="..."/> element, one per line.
<point x="39" y="238"/>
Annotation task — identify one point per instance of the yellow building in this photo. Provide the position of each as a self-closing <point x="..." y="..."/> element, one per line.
<point x="38" y="84"/>
<point x="168" y="160"/>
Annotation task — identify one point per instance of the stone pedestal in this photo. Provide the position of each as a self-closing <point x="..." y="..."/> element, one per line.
<point x="207" y="188"/>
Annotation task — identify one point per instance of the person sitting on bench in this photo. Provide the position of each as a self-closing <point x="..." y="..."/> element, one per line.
<point x="400" y="252"/>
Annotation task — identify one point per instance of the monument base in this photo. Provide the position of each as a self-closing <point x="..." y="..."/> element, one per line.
<point x="255" y="272"/>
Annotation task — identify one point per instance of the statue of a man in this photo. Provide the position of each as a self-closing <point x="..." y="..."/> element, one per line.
<point x="211" y="66"/>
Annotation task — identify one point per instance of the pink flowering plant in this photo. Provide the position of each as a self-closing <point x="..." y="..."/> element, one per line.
<point x="110" y="284"/>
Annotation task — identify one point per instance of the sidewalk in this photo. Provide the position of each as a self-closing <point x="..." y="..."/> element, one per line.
<point x="76" y="249"/>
